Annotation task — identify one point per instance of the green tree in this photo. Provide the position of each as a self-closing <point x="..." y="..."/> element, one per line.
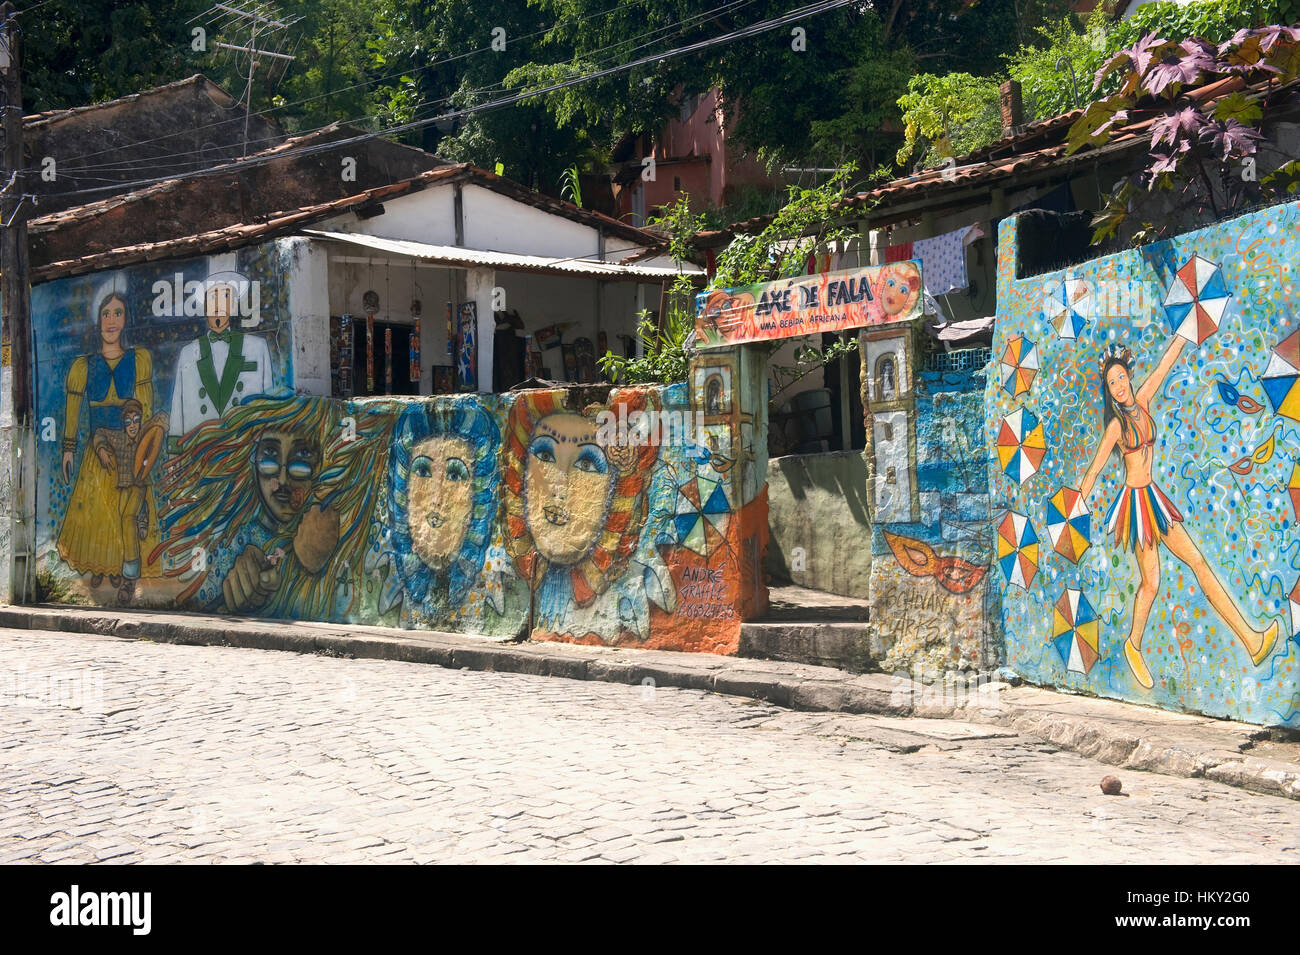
<point x="952" y="114"/>
<point x="1055" y="66"/>
<point x="804" y="225"/>
<point x="822" y="98"/>
<point x="77" y="52"/>
<point x="819" y="98"/>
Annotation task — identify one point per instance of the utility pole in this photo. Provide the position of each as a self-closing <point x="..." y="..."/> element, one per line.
<point x="15" y="290"/>
<point x="15" y="318"/>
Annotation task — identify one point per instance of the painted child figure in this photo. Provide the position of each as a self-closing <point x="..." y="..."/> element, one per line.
<point x="130" y="454"/>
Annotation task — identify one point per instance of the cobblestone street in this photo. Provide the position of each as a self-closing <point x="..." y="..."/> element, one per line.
<point x="120" y="751"/>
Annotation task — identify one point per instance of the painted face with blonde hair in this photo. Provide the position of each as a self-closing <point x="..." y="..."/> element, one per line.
<point x="567" y="481"/>
<point x="440" y="498"/>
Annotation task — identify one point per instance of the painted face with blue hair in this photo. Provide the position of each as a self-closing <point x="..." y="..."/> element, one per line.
<point x="443" y="473"/>
<point x="439" y="501"/>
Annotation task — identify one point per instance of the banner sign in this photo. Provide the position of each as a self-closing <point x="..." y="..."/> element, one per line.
<point x="809" y="304"/>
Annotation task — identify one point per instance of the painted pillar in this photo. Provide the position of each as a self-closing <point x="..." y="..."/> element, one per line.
<point x="478" y="289"/>
<point x="306" y="266"/>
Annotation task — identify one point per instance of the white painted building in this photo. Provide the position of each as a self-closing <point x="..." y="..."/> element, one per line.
<point x="544" y="270"/>
<point x="462" y="242"/>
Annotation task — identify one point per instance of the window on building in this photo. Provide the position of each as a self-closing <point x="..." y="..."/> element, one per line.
<point x="688" y="105"/>
<point x="390" y="354"/>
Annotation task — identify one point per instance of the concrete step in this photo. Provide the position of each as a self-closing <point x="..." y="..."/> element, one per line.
<point x="814" y="627"/>
<point x="846" y="645"/>
<point x="803" y="604"/>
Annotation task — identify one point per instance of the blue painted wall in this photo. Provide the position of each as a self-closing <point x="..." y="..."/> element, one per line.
<point x="1213" y="420"/>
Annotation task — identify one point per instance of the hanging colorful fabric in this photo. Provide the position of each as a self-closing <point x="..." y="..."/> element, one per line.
<point x="451" y="336"/>
<point x="414" y="348"/>
<point x="345" y="356"/>
<point x="388" y="361"/>
<point x="467" y="358"/>
<point x="370" y="352"/>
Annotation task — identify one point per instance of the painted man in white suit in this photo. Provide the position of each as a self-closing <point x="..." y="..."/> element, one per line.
<point x="222" y="368"/>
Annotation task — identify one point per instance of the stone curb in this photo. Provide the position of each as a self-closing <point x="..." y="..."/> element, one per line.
<point x="1119" y="734"/>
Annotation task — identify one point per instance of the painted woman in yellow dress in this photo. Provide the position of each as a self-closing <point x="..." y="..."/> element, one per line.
<point x="90" y="540"/>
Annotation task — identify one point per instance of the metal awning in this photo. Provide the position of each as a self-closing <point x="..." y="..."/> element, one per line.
<point x="458" y="257"/>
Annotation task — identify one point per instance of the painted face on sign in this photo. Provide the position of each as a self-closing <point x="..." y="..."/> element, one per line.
<point x="112" y="320"/>
<point x="440" y="498"/>
<point x="218" y="306"/>
<point x="899" y="287"/>
<point x="567" y="479"/>
<point x="286" y="467"/>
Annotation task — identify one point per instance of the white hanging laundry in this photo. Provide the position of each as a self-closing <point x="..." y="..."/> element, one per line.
<point x="943" y="261"/>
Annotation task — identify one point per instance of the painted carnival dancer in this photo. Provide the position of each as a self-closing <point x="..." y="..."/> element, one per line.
<point x="276" y="500"/>
<point x="442" y="504"/>
<point x="1143" y="517"/>
<point x="574" y="512"/>
<point x="91" y="539"/>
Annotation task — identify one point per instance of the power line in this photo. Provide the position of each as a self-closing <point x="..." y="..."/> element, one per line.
<point x="611" y="50"/>
<point x="126" y="165"/>
<point x="369" y="82"/>
<point x="764" y="26"/>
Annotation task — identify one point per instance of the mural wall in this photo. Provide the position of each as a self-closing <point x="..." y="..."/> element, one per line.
<point x="127" y="365"/>
<point x="933" y="606"/>
<point x="1145" y="423"/>
<point x="178" y="469"/>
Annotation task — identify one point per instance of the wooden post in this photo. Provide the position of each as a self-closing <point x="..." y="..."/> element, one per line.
<point x="15" y="290"/>
<point x="15" y="328"/>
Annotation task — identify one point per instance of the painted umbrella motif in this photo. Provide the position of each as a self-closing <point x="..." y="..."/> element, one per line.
<point x="1280" y="377"/>
<point x="1021" y="445"/>
<point x="1294" y="599"/>
<point x="1069" y="523"/>
<point x="1074" y="631"/>
<point x="1017" y="549"/>
<point x="702" y="513"/>
<point x="1019" y="365"/>
<point x="1196" y="300"/>
<point x="1068" y="308"/>
<point x="1293" y="489"/>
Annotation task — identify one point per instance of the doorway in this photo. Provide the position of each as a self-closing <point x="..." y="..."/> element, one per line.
<point x="394" y="361"/>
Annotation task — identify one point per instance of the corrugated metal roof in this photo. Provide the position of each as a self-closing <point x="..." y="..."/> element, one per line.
<point x="506" y="261"/>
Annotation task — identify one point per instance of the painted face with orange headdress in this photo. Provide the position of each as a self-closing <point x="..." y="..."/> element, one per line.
<point x="899" y="287"/>
<point x="570" y="502"/>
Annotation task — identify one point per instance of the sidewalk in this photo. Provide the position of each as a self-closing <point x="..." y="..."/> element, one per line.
<point x="1120" y="734"/>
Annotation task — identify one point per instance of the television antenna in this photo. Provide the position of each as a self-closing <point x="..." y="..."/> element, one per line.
<point x="253" y="21"/>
